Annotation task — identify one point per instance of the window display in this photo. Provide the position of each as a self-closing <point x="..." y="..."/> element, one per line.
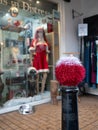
<point x="15" y="61"/>
<point x="21" y="80"/>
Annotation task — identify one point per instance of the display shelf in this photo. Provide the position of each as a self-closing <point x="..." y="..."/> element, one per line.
<point x="13" y="28"/>
<point x="15" y="80"/>
<point x="14" y="60"/>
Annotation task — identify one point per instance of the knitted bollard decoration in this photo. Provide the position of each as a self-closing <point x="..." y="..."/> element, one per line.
<point x="69" y="71"/>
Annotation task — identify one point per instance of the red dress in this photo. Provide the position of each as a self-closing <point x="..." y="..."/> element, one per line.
<point x="40" y="60"/>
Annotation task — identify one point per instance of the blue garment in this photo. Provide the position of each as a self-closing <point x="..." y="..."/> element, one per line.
<point x="87" y="60"/>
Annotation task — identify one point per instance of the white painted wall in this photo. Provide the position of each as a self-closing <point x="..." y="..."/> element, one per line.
<point x="69" y="40"/>
<point x="71" y="26"/>
<point x="89" y="7"/>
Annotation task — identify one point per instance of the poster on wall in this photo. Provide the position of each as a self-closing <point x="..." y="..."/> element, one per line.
<point x="82" y="30"/>
<point x="56" y="15"/>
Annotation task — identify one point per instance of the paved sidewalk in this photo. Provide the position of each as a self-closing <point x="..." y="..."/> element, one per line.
<point x="48" y="117"/>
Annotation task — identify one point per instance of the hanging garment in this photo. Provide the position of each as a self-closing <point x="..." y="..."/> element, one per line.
<point x="97" y="64"/>
<point x="93" y="62"/>
<point x="87" y="61"/>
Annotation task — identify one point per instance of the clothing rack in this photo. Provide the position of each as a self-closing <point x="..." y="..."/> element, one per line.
<point x="90" y="38"/>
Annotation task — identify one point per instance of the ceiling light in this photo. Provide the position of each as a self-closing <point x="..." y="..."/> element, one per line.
<point x="37" y="2"/>
<point x="6" y="14"/>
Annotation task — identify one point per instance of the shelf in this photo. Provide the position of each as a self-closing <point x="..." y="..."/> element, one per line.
<point x="12" y="28"/>
<point x="15" y="80"/>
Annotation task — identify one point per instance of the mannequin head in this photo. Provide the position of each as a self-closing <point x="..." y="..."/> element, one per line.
<point x="40" y="33"/>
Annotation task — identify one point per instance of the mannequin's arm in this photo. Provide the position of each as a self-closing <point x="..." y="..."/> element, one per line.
<point x="47" y="50"/>
<point x="47" y="57"/>
<point x="31" y="57"/>
<point x="47" y="53"/>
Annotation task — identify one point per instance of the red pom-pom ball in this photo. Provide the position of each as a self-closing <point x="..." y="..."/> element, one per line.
<point x="69" y="71"/>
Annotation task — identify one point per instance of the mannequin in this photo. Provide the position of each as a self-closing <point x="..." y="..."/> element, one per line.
<point x="15" y="52"/>
<point x="39" y="50"/>
<point x="16" y="57"/>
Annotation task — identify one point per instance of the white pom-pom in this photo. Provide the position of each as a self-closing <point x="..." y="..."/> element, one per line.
<point x="70" y="60"/>
<point x="31" y="68"/>
<point x="31" y="49"/>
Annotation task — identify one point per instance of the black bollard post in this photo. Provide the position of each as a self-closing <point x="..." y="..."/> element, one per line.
<point x="69" y="108"/>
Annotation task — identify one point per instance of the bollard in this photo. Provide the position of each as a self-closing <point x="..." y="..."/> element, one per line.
<point x="69" y="108"/>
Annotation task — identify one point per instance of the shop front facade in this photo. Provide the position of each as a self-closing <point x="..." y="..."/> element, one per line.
<point x="18" y="24"/>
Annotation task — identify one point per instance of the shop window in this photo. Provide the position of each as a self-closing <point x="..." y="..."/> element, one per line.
<point x="16" y="35"/>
